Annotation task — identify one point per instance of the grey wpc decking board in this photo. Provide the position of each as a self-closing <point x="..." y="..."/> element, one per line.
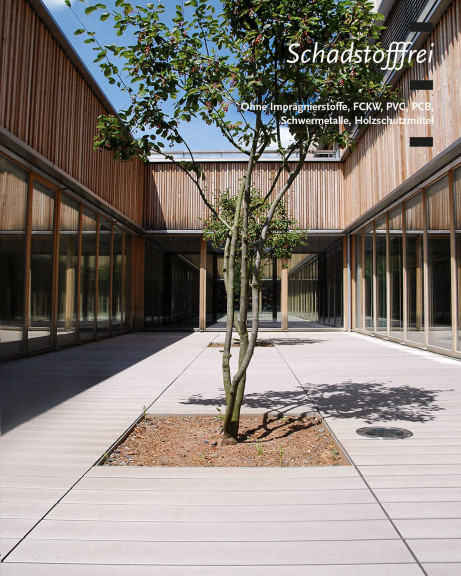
<point x="412" y="484"/>
<point x="63" y="410"/>
<point x="87" y="569"/>
<point x="83" y="527"/>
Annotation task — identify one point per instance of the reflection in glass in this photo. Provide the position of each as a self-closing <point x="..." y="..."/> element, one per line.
<point x="330" y="280"/>
<point x="315" y="287"/>
<point x="68" y="275"/>
<point x="414" y="261"/>
<point x="117" y="271"/>
<point x="269" y="296"/>
<point x="88" y="277"/>
<point x="303" y="289"/>
<point x="381" y="274"/>
<point x="368" y="276"/>
<point x="396" y="273"/>
<point x="439" y="264"/>
<point x="41" y="267"/>
<point x="358" y="282"/>
<point x="154" y="286"/>
<point x="13" y="200"/>
<point x="104" y="273"/>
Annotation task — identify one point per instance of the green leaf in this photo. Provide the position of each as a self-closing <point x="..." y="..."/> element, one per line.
<point x="90" y="9"/>
<point x="104" y="16"/>
<point x="79" y="31"/>
<point x="101" y="55"/>
<point x="67" y="3"/>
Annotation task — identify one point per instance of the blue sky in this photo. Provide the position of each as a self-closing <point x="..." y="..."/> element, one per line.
<point x="198" y="135"/>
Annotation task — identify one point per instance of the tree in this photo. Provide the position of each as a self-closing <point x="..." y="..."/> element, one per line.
<point x="241" y="69"/>
<point x="281" y="239"/>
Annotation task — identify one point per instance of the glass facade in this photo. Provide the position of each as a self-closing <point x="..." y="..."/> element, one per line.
<point x="117" y="280"/>
<point x="50" y="293"/>
<point x="396" y="274"/>
<point x="457" y="218"/>
<point x="381" y="274"/>
<point x="439" y="264"/>
<point x="41" y="267"/>
<point x="408" y="270"/>
<point x="14" y="182"/>
<point x="368" y="277"/>
<point x="88" y="276"/>
<point x="359" y="281"/>
<point x="104" y="277"/>
<point x="172" y="282"/>
<point x="68" y="271"/>
<point x="303" y="289"/>
<point x="414" y="239"/>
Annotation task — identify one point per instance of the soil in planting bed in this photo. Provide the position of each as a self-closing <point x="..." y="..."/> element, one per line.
<point x="265" y="440"/>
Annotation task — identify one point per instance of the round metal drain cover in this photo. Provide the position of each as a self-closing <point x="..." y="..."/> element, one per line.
<point x="384" y="433"/>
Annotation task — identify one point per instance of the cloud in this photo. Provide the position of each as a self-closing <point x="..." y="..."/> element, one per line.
<point x="285" y="137"/>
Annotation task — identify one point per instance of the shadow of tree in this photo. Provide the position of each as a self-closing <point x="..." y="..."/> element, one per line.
<point x="368" y="401"/>
<point x="278" y="401"/>
<point x="271" y="424"/>
<point x="374" y="401"/>
<point x="295" y="341"/>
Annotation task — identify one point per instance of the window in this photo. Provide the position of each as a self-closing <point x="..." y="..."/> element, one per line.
<point x="104" y="277"/>
<point x="439" y="264"/>
<point x="68" y="271"/>
<point x="13" y="201"/>
<point x="381" y="274"/>
<point x="414" y="259"/>
<point x="88" y="277"/>
<point x="396" y="273"/>
<point x="41" y="267"/>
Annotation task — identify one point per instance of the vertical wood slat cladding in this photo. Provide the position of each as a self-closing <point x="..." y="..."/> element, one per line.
<point x="383" y="158"/>
<point x="47" y="104"/>
<point x="173" y="202"/>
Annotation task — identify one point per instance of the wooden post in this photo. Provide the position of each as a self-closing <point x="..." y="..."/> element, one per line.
<point x="425" y="278"/>
<point x="388" y="277"/>
<point x="353" y="285"/>
<point x="274" y="289"/>
<point x="215" y="288"/>
<point x="202" y="298"/>
<point x="454" y="285"/>
<point x="363" y="282"/>
<point x="27" y="284"/>
<point x="79" y="273"/>
<point x="374" y="294"/>
<point x="54" y="283"/>
<point x="346" y="284"/>
<point x="284" y="298"/>
<point x="405" y="310"/>
<point x="96" y="278"/>
<point x="111" y="268"/>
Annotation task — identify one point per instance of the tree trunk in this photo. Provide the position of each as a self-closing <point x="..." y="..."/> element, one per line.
<point x="234" y="400"/>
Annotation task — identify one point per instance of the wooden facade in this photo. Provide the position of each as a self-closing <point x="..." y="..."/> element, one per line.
<point x="331" y="196"/>
<point x="84" y="273"/>
<point x="383" y="158"/>
<point x="173" y="202"/>
<point x="48" y="105"/>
